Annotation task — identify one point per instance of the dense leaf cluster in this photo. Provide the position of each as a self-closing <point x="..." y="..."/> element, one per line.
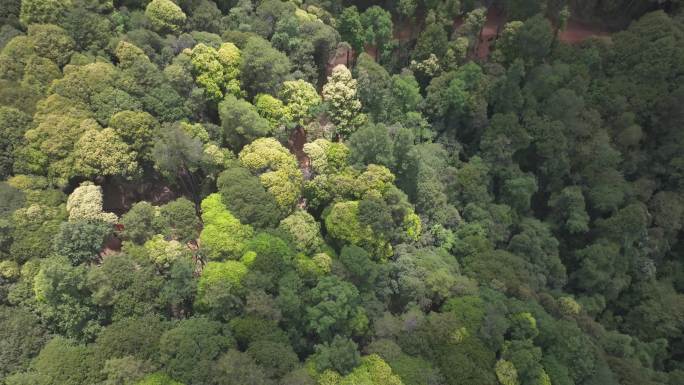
<point x="324" y="192"/>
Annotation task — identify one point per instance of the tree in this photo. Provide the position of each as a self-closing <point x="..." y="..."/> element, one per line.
<point x="81" y="241"/>
<point x="103" y="153"/>
<point x="536" y="243"/>
<point x="125" y="286"/>
<point x="534" y="39"/>
<point x="85" y="204"/>
<point x="371" y="144"/>
<point x="276" y="358"/>
<point x="425" y="277"/>
<point x="340" y="355"/>
<point x="263" y="67"/>
<point x="343" y="105"/>
<point x="334" y="309"/>
<point x="22" y="337"/>
<point x="405" y="97"/>
<point x="157" y="378"/>
<point x="217" y="70"/>
<point x="342" y="223"/>
<point x="51" y="42"/>
<point x="188" y="350"/>
<point x="62" y="361"/>
<point x="140" y="222"/>
<point x="180" y="220"/>
<point x="223" y="236"/>
<point x="277" y="170"/>
<point x="13" y="124"/>
<point x="241" y="122"/>
<point x="373" y="87"/>
<point x="165" y="16"/>
<point x="246" y="197"/>
<point x="301" y="98"/>
<point x="377" y="24"/>
<point x="433" y="39"/>
<point x="237" y="368"/>
<point x="273" y="110"/>
<point x="137" y="129"/>
<point x="177" y="156"/>
<point x="569" y="210"/>
<point x="373" y="370"/>
<point x="351" y="28"/>
<point x="327" y="157"/>
<point x="220" y="287"/>
<point x="62" y="298"/>
<point x="42" y="11"/>
<point x="137" y="337"/>
<point x="164" y="253"/>
<point x="304" y="230"/>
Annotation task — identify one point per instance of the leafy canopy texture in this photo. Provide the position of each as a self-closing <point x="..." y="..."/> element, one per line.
<point x="329" y="192"/>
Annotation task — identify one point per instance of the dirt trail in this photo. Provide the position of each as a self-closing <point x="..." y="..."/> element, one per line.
<point x="296" y="144"/>
<point x="577" y="32"/>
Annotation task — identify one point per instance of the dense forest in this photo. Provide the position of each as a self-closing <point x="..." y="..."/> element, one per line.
<point x="337" y="192"/>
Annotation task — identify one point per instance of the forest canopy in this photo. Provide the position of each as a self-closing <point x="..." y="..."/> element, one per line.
<point x="328" y="192"/>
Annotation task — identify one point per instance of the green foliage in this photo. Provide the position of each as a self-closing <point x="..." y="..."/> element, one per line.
<point x="189" y="348"/>
<point x="81" y="241"/>
<point x="341" y="355"/>
<point x="273" y="110"/>
<point x="157" y="379"/>
<point x="335" y="309"/>
<point x="300" y="98"/>
<point x="371" y="144"/>
<point x="13" y="124"/>
<point x="165" y="16"/>
<point x="327" y="157"/>
<point x="42" y="11"/>
<point x="217" y="70"/>
<point x="373" y="370"/>
<point x="223" y="236"/>
<point x="241" y="122"/>
<point x="246" y="197"/>
<point x="123" y="287"/>
<point x="137" y="129"/>
<point x="103" y="153"/>
<point x="343" y="105"/>
<point x="62" y="361"/>
<point x="85" y="204"/>
<point x="276" y="358"/>
<point x="304" y="231"/>
<point x="139" y="223"/>
<point x="351" y="28"/>
<point x="263" y="67"/>
<point x="220" y="286"/>
<point x="426" y="277"/>
<point x="480" y="196"/>
<point x="51" y="42"/>
<point x="237" y="368"/>
<point x="22" y="337"/>
<point x="277" y="170"/>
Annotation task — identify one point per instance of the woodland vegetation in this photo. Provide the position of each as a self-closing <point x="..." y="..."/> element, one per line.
<point x="328" y="192"/>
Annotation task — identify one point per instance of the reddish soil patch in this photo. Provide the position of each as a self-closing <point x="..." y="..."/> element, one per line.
<point x="343" y="55"/>
<point x="405" y="30"/>
<point x="296" y="144"/>
<point x="490" y="31"/>
<point x="111" y="246"/>
<point x="576" y="32"/>
<point x="372" y="51"/>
